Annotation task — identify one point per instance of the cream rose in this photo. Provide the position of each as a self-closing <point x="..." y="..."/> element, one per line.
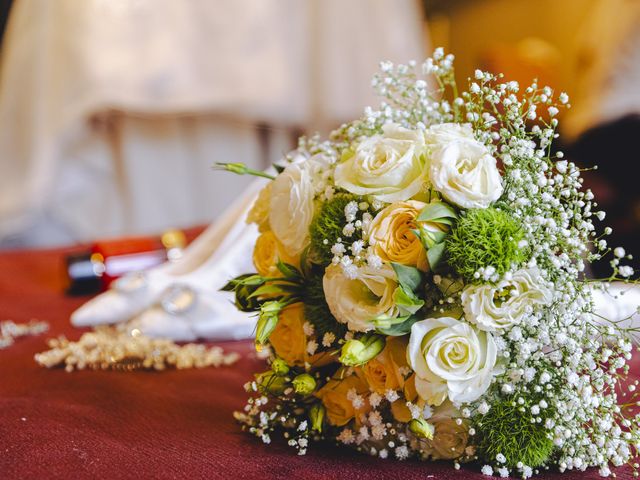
<point x="358" y="301"/>
<point x="462" y="169"/>
<point x="494" y="308"/>
<point x="291" y="208"/>
<point x="451" y="360"/>
<point x="392" y="237"/>
<point x="450" y="439"/>
<point x="259" y="213"/>
<point x="390" y="167"/>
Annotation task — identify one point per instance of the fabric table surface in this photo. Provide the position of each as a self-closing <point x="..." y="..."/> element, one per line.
<point x="170" y="424"/>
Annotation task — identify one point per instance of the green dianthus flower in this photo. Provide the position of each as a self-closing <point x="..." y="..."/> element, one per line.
<point x="485" y="238"/>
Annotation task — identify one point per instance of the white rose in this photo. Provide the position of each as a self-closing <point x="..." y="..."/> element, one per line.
<point x="494" y="308"/>
<point x="291" y="208"/>
<point x="320" y="169"/>
<point x="391" y="167"/>
<point x="451" y="360"/>
<point x="358" y="301"/>
<point x="444" y="133"/>
<point x="462" y="169"/>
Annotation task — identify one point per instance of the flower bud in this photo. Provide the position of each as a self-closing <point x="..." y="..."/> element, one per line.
<point x="238" y="168"/>
<point x="304" y="384"/>
<point x="359" y="351"/>
<point x="241" y="169"/>
<point x="421" y="428"/>
<point x="269" y="382"/>
<point x="316" y="415"/>
<point x="267" y="321"/>
<point x="279" y="367"/>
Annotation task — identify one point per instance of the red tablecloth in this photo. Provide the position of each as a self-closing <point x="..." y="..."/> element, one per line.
<point x="172" y="424"/>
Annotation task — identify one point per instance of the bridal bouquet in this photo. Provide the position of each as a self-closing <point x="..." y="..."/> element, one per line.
<point x="420" y="286"/>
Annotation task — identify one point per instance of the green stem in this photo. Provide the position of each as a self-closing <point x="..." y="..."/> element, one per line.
<point x="241" y="169"/>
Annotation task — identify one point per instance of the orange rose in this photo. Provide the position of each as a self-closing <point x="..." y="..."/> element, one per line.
<point x="382" y="373"/>
<point x="340" y="409"/>
<point x="399" y="408"/>
<point x="289" y="341"/>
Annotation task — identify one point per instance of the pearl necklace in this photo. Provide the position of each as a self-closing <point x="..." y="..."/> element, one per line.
<point x="10" y="331"/>
<point x="125" y="349"/>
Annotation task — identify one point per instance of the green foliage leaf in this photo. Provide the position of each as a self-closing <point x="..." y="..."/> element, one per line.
<point x="430" y="239"/>
<point x="276" y="289"/>
<point x="435" y="255"/>
<point x="409" y="278"/>
<point x="510" y="429"/>
<point x="386" y="321"/>
<point x="244" y="301"/>
<point x="407" y="302"/>
<point x="328" y="224"/>
<point x="245" y="279"/>
<point x="288" y="270"/>
<point x="316" y="310"/>
<point x="401" y="328"/>
<point x="438" y="212"/>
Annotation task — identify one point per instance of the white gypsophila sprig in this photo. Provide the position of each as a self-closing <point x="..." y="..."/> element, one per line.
<point x="555" y="348"/>
<point x="558" y="352"/>
<point x="409" y="99"/>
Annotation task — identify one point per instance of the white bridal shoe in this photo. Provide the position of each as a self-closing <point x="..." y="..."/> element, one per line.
<point x="181" y="300"/>
<point x="620" y="304"/>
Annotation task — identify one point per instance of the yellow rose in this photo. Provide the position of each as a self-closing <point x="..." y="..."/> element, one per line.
<point x="340" y="409"/>
<point x="392" y="237"/>
<point x="266" y="253"/>
<point x="289" y="341"/>
<point x="382" y="373"/>
<point x="259" y="213"/>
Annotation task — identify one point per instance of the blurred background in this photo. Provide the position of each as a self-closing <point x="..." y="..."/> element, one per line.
<point x="113" y="111"/>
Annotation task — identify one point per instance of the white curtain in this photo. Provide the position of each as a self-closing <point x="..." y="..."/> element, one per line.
<point x="112" y="111"/>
